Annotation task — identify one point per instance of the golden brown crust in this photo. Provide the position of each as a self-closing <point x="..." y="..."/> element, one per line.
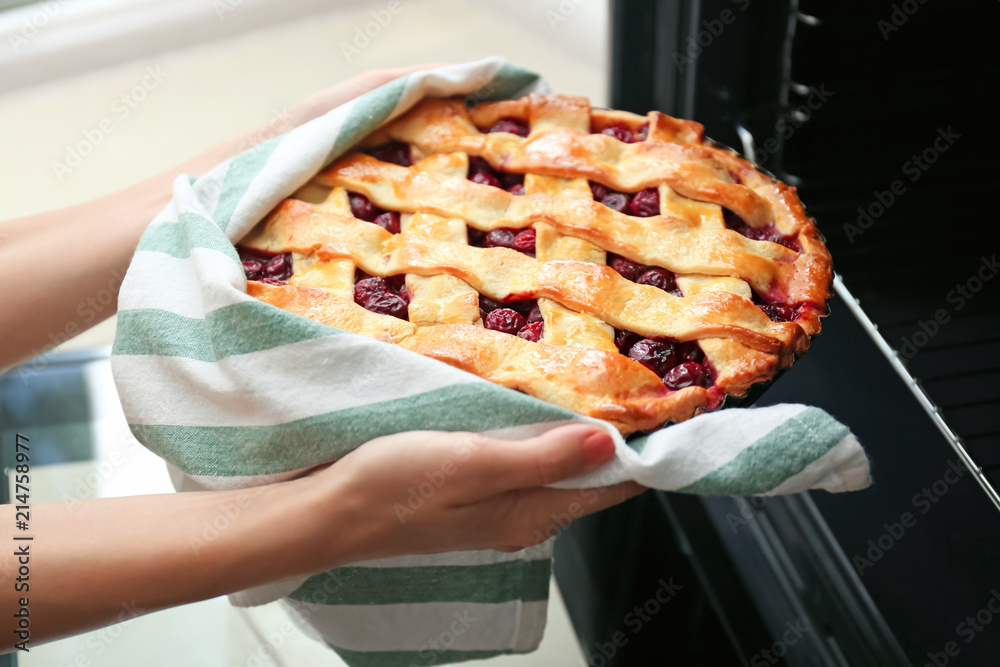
<point x="581" y="300"/>
<point x="597" y="383"/>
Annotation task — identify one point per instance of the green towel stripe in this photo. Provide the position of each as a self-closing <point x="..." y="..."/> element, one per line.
<point x="427" y="656"/>
<point x="506" y="84"/>
<point x="241" y="171"/>
<point x="483" y="584"/>
<point x="229" y="451"/>
<point x="777" y="456"/>
<point x="369" y="111"/>
<point x="190" y="231"/>
<point x="241" y="328"/>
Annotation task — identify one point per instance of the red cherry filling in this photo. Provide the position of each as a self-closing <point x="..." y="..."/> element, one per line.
<point x="535" y="315"/>
<point x="389" y="221"/>
<point x="274" y="269"/>
<point x="532" y="331"/>
<point x="481" y="171"/>
<point x="619" y="201"/>
<point x="625" y="340"/>
<point x="500" y="238"/>
<point x="505" y="320"/>
<point x="485" y="178"/>
<point x="678" y="364"/>
<point x="253" y="269"/>
<point x="623" y="132"/>
<point x="780" y="313"/>
<point x="657" y="355"/>
<point x="377" y="295"/>
<point x="511" y="125"/>
<point x="619" y="132"/>
<point x="628" y="269"/>
<point x="362" y="208"/>
<point x="658" y="278"/>
<point x="689" y="374"/>
<point x="395" y="152"/>
<point x="776" y="312"/>
<point x="524" y="241"/>
<point x="689" y="351"/>
<point x="646" y="203"/>
<point x="767" y="233"/>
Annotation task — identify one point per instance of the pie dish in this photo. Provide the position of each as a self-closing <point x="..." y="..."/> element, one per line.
<point x="620" y="266"/>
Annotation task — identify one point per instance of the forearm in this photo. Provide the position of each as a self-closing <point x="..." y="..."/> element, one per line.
<point x="64" y="267"/>
<point x="93" y="560"/>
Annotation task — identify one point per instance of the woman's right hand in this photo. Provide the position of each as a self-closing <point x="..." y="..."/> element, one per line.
<point x="429" y="492"/>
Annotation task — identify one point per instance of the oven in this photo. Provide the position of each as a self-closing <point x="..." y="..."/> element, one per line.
<point x="877" y="112"/>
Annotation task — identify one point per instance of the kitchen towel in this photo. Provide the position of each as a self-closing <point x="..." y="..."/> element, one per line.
<point x="234" y="393"/>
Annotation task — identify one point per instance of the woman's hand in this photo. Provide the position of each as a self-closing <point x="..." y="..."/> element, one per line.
<point x="429" y="492"/>
<point x="410" y="493"/>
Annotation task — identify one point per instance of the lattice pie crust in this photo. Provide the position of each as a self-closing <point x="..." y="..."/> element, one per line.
<point x="717" y="277"/>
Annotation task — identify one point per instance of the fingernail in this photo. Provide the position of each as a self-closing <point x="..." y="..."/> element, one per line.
<point x="598" y="447"/>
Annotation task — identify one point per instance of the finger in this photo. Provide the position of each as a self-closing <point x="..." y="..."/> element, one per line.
<point x="553" y="456"/>
<point x="538" y="514"/>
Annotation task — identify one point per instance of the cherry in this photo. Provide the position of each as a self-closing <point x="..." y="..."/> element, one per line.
<point x="487" y="304"/>
<point x="688" y="374"/>
<point x="509" y="179"/>
<point x="395" y="152"/>
<point x="766" y="233"/>
<point x="524" y="241"/>
<point x="397" y="282"/>
<point x="366" y="288"/>
<point x="499" y="238"/>
<point x="599" y="191"/>
<point x="362" y="208"/>
<point x="272" y="281"/>
<point x="641" y="134"/>
<point x="523" y="307"/>
<point x="388" y="303"/>
<point x="618" y="201"/>
<point x="658" y="278"/>
<point x="505" y="320"/>
<point x="485" y="178"/>
<point x="516" y="189"/>
<point x="779" y="313"/>
<point x="375" y="294"/>
<point x="512" y="125"/>
<point x="279" y="267"/>
<point x="254" y="269"/>
<point x="389" y="221"/>
<point x="628" y="269"/>
<point x="646" y="203"/>
<point x="690" y="351"/>
<point x="478" y="165"/>
<point x="619" y="132"/>
<point x="404" y="294"/>
<point x="625" y="340"/>
<point x="656" y="355"/>
<point x="532" y="331"/>
<point x="535" y="315"/>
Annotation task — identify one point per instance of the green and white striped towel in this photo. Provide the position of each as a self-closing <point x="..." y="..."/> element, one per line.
<point x="205" y="374"/>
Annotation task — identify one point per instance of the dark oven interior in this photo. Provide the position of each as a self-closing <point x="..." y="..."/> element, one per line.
<point x="877" y="112"/>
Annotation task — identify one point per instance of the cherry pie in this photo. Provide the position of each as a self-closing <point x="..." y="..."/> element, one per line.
<point x="616" y="265"/>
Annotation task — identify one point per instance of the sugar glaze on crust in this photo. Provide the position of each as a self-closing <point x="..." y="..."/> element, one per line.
<point x="730" y="259"/>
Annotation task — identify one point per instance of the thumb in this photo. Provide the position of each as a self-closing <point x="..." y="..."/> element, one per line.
<point x="553" y="456"/>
